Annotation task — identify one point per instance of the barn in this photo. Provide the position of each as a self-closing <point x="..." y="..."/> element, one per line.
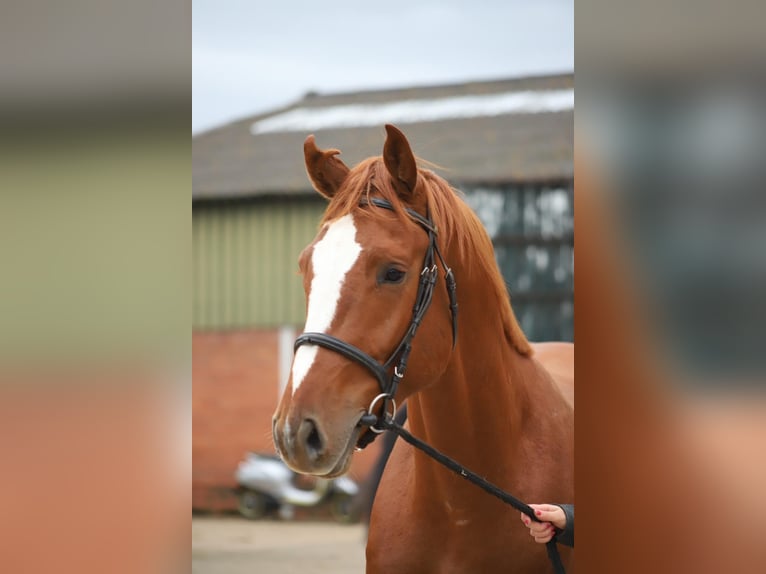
<point x="506" y="144"/>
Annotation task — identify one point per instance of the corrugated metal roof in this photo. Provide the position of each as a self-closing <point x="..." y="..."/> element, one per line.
<point x="493" y="131"/>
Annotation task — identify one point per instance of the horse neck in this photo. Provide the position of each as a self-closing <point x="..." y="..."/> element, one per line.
<point x="476" y="412"/>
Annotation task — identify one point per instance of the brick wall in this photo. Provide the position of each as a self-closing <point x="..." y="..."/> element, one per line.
<point x="235" y="386"/>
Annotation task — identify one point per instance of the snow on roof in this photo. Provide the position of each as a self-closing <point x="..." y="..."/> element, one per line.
<point x="308" y="118"/>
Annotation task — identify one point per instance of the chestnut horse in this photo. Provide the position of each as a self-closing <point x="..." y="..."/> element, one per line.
<point x="486" y="399"/>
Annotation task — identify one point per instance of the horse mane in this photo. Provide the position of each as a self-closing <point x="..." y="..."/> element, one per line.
<point x="456" y="224"/>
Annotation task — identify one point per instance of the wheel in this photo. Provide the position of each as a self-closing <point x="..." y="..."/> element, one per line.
<point x="342" y="507"/>
<point x="252" y="504"/>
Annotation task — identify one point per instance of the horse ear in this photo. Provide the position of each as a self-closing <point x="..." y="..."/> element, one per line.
<point x="326" y="172"/>
<point x="399" y="160"/>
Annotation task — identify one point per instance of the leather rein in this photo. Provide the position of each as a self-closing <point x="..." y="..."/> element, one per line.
<point x="389" y="383"/>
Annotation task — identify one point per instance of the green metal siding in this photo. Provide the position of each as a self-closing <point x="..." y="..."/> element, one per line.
<point x="245" y="262"/>
<point x="245" y="257"/>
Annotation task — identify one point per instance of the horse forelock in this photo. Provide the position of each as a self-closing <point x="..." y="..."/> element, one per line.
<point x="460" y="232"/>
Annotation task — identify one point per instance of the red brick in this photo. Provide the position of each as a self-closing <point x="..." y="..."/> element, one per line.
<point x="235" y="384"/>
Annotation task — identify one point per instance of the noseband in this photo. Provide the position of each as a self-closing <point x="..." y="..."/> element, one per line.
<point x="389" y="381"/>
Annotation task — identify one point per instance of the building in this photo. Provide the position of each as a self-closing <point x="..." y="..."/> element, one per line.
<point x="508" y="145"/>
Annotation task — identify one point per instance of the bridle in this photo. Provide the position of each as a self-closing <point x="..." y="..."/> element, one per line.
<point x="388" y="385"/>
<point x="388" y="380"/>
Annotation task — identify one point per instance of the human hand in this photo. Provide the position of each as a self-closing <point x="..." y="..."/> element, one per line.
<point x="551" y="515"/>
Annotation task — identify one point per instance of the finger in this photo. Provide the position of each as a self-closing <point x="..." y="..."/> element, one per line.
<point x="541" y="531"/>
<point x="543" y="507"/>
<point x="543" y="539"/>
<point x="556" y="516"/>
<point x="549" y="531"/>
<point x="541" y="525"/>
<point x="547" y="515"/>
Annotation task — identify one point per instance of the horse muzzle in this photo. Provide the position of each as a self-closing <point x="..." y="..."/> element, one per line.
<point x="306" y="446"/>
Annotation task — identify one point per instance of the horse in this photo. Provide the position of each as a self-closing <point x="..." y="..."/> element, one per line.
<point x="482" y="394"/>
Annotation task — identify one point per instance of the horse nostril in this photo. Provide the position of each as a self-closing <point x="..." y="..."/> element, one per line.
<point x="311" y="438"/>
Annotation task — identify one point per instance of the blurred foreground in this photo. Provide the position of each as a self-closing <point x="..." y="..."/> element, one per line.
<point x="237" y="546"/>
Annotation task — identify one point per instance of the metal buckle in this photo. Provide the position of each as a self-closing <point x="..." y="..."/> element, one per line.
<point x="372" y="405"/>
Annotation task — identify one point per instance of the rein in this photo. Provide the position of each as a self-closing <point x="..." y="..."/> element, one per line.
<point x="388" y="386"/>
<point x="388" y="423"/>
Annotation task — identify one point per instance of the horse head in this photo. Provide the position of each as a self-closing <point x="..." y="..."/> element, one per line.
<point x="361" y="276"/>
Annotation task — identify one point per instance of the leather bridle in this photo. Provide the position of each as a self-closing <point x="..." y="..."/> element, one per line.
<point x="389" y="380"/>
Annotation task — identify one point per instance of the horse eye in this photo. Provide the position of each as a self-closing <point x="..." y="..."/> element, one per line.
<point x="393" y="275"/>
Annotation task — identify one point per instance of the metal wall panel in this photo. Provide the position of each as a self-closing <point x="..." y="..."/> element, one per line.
<point x="245" y="262"/>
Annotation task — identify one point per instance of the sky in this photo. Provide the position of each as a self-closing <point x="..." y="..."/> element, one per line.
<point x="250" y="57"/>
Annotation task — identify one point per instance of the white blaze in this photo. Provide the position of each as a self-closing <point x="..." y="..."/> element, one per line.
<point x="333" y="257"/>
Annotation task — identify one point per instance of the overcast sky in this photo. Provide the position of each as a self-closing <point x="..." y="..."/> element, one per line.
<point x="253" y="56"/>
